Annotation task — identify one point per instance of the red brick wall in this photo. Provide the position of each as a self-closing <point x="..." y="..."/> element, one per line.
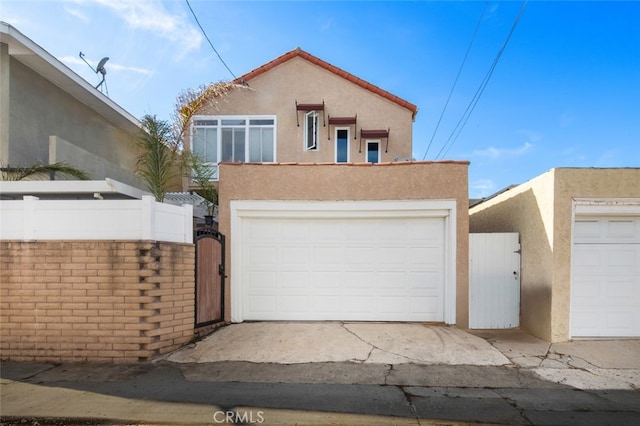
<point x="99" y="301"/>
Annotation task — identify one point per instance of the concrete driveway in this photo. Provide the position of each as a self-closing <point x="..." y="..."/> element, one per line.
<point x="583" y="364"/>
<point x="376" y="343"/>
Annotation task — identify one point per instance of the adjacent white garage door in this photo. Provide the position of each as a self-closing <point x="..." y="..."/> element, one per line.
<point x="605" y="291"/>
<point x="341" y="261"/>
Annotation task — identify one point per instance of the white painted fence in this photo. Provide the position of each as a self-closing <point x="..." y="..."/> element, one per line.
<point x="33" y="219"/>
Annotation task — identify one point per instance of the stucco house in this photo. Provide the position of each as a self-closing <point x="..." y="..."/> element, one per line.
<point x="580" y="239"/>
<point x="326" y="215"/>
<point x="49" y="114"/>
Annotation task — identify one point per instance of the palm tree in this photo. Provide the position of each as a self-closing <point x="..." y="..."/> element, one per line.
<point x="161" y="143"/>
<point x="190" y="102"/>
<point x="159" y="160"/>
<point x="202" y="175"/>
<point x="40" y="171"/>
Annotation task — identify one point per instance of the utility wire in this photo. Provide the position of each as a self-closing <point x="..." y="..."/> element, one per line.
<point x="474" y="101"/>
<point x="205" y="36"/>
<point x="464" y="60"/>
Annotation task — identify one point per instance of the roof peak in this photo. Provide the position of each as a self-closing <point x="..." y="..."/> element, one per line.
<point x="299" y="52"/>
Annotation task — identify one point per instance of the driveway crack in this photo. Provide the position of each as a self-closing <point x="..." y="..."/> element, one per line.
<point x="373" y="347"/>
<point x="409" y="398"/>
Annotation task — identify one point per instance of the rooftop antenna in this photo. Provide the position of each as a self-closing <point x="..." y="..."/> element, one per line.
<point x="99" y="69"/>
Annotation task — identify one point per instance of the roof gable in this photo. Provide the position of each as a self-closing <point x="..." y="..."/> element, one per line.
<point x="331" y="68"/>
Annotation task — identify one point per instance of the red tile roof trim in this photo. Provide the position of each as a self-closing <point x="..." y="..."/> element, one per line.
<point x="327" y="66"/>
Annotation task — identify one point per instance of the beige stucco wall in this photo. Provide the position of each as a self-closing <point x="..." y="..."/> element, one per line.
<point x="36" y="109"/>
<point x="395" y="181"/>
<point x="541" y="210"/>
<point x="528" y="210"/>
<point x="276" y="91"/>
<point x="571" y="184"/>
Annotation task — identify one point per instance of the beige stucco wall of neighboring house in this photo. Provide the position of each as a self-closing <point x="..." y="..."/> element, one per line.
<point x="541" y="210"/>
<point x="340" y="182"/>
<point x="37" y="109"/>
<point x="276" y="91"/>
<point x="570" y="184"/>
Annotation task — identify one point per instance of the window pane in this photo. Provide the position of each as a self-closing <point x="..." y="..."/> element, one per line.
<point x="211" y="146"/>
<point x="373" y="152"/>
<point x="205" y="122"/>
<point x="267" y="145"/>
<point x="260" y="145"/>
<point x="227" y="145"/>
<point x="233" y="122"/>
<point x="198" y="142"/>
<point x="255" y="146"/>
<point x="261" y="122"/>
<point x="311" y="130"/>
<point x="238" y="145"/>
<point x="342" y="146"/>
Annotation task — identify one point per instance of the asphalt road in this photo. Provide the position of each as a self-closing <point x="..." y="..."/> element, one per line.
<point x="320" y="393"/>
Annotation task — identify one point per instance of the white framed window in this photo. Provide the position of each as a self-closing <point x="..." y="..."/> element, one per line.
<point x="250" y="139"/>
<point x="373" y="151"/>
<point x="311" y="131"/>
<point x="342" y="145"/>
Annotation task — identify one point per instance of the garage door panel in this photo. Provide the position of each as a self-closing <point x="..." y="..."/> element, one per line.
<point x="294" y="255"/>
<point x="605" y="289"/>
<point x="361" y="255"/>
<point x="618" y="292"/>
<point x="293" y="231"/>
<point x="262" y="255"/>
<point x="262" y="280"/>
<point x="294" y="304"/>
<point x="344" y="269"/>
<point x="330" y="255"/>
<point x="430" y="307"/>
<point x="325" y="304"/>
<point x="294" y="280"/>
<point x="620" y="229"/>
<point x="259" y="304"/>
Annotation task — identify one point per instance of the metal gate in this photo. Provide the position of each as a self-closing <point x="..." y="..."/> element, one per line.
<point x="494" y="280"/>
<point x="209" y="276"/>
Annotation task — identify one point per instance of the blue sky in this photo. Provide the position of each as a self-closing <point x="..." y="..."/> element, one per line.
<point x="564" y="93"/>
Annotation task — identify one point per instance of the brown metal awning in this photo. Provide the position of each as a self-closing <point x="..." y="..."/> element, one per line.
<point x="310" y="107"/>
<point x="375" y="134"/>
<point x="343" y="121"/>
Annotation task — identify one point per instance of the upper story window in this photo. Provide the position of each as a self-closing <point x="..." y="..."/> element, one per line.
<point x="342" y="145"/>
<point x="311" y="130"/>
<point x="249" y="139"/>
<point x="373" y="151"/>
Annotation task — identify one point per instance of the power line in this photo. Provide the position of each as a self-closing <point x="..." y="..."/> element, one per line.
<point x="205" y="36"/>
<point x="474" y="101"/>
<point x="464" y="60"/>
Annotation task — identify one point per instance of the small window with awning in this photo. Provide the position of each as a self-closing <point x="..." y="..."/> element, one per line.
<point x="374" y="134"/>
<point x="343" y="121"/>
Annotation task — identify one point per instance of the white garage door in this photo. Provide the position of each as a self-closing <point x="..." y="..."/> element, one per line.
<point x="605" y="291"/>
<point x="341" y="265"/>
